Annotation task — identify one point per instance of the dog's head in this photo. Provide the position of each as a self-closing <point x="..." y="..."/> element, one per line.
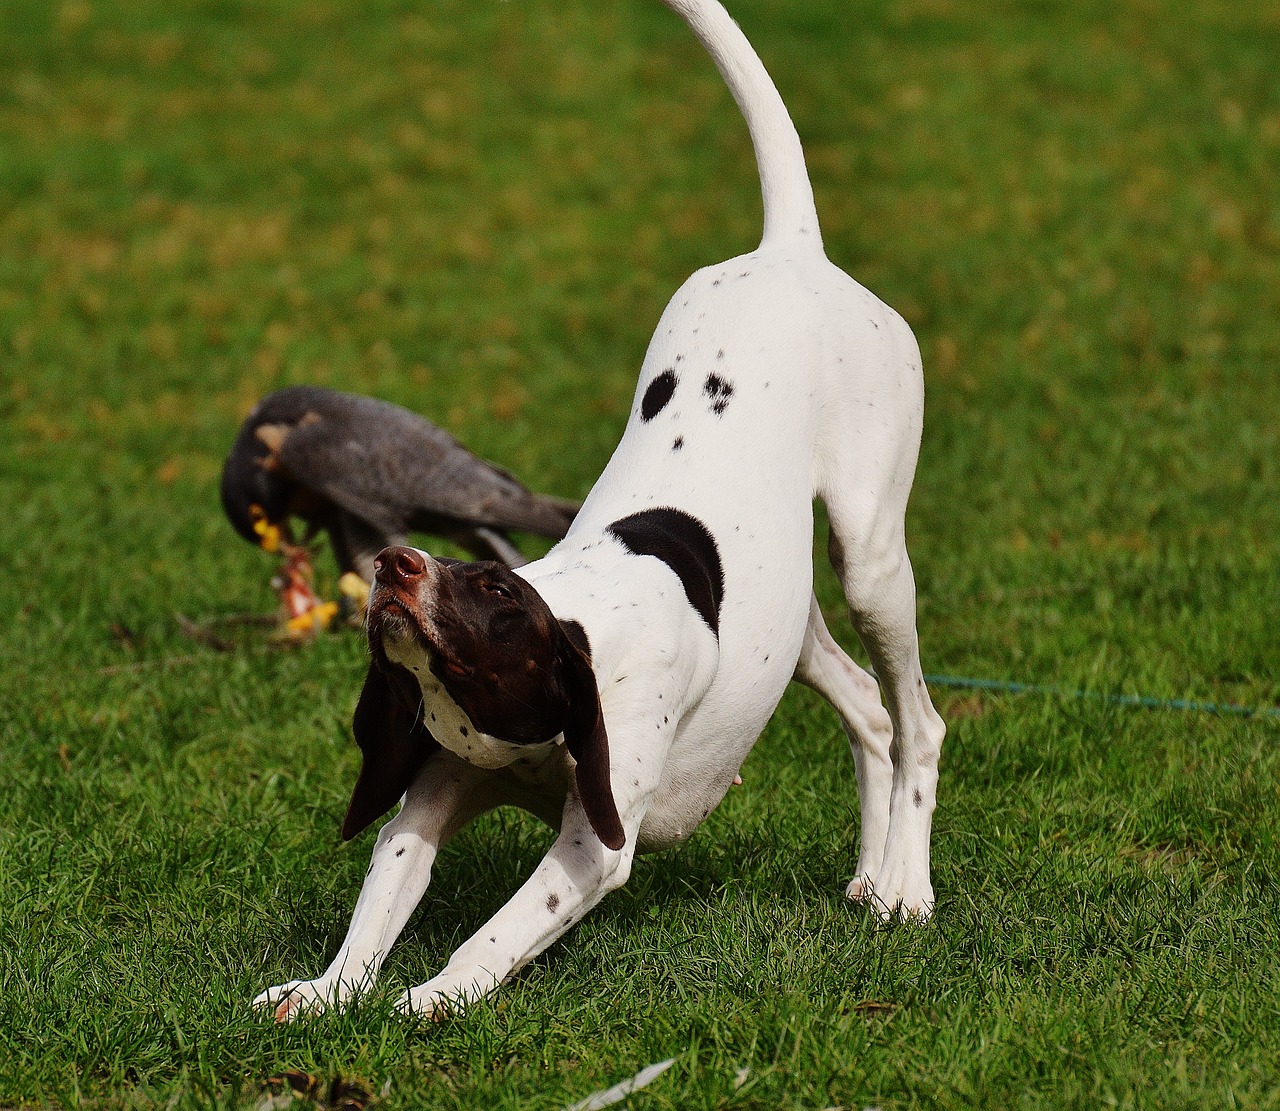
<point x="516" y="671"/>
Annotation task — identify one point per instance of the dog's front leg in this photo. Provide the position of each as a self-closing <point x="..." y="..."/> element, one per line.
<point x="573" y="877"/>
<point x="446" y="795"/>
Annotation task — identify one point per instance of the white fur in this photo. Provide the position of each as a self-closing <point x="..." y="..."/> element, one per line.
<point x="827" y="401"/>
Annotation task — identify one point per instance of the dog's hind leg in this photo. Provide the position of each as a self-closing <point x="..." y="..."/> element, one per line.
<point x="868" y="551"/>
<point x="824" y="667"/>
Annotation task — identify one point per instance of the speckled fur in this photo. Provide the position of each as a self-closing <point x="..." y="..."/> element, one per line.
<point x="772" y="378"/>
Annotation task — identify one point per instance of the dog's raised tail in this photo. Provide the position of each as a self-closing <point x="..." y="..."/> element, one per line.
<point x="789" y="210"/>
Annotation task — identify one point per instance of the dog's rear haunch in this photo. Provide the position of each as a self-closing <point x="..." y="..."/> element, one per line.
<point x="614" y="687"/>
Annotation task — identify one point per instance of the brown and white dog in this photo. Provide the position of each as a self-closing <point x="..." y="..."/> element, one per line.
<point x="614" y="687"/>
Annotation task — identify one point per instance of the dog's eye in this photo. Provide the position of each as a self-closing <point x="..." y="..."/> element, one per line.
<point x="496" y="588"/>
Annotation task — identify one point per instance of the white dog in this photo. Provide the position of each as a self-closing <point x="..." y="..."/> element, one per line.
<point x="615" y="687"/>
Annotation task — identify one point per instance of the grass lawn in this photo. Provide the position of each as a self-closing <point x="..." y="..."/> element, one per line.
<point x="478" y="210"/>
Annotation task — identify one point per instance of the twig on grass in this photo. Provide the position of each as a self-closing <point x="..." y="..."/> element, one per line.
<point x="262" y="620"/>
<point x="193" y="630"/>
<point x="201" y="633"/>
<point x="143" y="665"/>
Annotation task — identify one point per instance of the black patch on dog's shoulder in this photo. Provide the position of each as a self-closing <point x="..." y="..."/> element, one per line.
<point x="658" y="394"/>
<point x="719" y="391"/>
<point x="677" y="443"/>
<point x="685" y="545"/>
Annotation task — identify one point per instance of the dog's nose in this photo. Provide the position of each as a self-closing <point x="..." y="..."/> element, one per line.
<point x="398" y="564"/>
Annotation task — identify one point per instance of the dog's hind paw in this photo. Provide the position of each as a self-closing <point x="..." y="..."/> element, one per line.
<point x="909" y="902"/>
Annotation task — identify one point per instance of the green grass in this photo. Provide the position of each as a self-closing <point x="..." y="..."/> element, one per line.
<point x="479" y="210"/>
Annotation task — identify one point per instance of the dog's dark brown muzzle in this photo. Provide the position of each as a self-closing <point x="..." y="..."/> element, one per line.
<point x="401" y="577"/>
<point x="399" y="566"/>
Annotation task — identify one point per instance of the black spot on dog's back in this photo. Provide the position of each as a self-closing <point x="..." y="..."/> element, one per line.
<point x="719" y="391"/>
<point x="685" y="545"/>
<point x="658" y="394"/>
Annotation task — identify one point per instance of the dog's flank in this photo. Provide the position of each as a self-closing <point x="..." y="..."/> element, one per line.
<point x="665" y="626"/>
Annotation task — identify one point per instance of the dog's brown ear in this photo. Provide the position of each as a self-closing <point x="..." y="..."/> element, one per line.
<point x="393" y="742"/>
<point x="587" y="741"/>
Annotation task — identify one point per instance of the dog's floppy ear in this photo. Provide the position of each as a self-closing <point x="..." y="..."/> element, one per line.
<point x="587" y="741"/>
<point x="393" y="742"/>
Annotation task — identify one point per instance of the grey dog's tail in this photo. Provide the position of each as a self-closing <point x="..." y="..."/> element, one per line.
<point x="789" y="212"/>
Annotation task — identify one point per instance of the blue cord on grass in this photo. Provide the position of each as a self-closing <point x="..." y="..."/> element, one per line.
<point x="1009" y="687"/>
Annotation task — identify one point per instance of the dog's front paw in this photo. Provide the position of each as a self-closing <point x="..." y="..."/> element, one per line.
<point x="419" y="1003"/>
<point x="298" y="998"/>
<point x="446" y="995"/>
